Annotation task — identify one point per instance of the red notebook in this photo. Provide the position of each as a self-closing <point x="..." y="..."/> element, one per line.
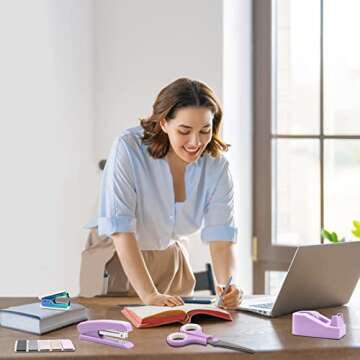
<point x="151" y="316"/>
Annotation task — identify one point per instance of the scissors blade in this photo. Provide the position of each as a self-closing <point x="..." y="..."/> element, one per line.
<point x="229" y="345"/>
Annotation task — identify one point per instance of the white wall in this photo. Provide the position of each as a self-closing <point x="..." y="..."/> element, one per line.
<point x="46" y="142"/>
<point x="141" y="46"/>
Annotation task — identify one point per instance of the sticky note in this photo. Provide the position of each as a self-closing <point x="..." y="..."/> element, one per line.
<point x="32" y="345"/>
<point x="56" y="345"/>
<point x="67" y="345"/>
<point x="44" y="345"/>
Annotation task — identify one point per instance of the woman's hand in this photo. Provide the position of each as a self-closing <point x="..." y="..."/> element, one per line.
<point x="232" y="298"/>
<point x="158" y="299"/>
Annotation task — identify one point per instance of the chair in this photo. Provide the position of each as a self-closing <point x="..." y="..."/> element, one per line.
<point x="205" y="280"/>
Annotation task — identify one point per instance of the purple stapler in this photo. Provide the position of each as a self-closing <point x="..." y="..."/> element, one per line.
<point x="312" y="323"/>
<point x="107" y="332"/>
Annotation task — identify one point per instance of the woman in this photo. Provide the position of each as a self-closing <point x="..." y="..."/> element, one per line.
<point x="164" y="180"/>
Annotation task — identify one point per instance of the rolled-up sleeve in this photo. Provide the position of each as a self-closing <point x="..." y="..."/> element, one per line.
<point x="117" y="193"/>
<point x="218" y="222"/>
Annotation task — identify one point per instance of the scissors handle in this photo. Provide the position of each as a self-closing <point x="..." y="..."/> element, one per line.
<point x="189" y="334"/>
<point x="194" y="330"/>
<point x="179" y="339"/>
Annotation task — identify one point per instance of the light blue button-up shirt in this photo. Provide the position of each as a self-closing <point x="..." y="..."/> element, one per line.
<point x="137" y="195"/>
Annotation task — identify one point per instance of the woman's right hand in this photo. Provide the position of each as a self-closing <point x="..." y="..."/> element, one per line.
<point x="163" y="300"/>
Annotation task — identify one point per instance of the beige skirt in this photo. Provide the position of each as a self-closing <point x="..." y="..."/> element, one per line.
<point x="101" y="271"/>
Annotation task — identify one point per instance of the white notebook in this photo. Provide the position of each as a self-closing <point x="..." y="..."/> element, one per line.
<point x="32" y="318"/>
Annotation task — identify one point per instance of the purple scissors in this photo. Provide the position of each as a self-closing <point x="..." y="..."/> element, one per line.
<point x="192" y="334"/>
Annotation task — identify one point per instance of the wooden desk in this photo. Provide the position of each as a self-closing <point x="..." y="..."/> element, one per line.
<point x="271" y="338"/>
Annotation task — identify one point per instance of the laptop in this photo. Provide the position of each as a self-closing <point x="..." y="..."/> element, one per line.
<point x="323" y="275"/>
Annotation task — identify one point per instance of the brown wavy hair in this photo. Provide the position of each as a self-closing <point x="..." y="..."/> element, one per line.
<point x="179" y="94"/>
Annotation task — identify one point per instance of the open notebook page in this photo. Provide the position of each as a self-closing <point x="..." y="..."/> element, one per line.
<point x="146" y="311"/>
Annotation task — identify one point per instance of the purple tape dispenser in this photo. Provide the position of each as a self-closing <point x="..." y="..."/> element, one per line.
<point x="312" y="323"/>
<point x="107" y="332"/>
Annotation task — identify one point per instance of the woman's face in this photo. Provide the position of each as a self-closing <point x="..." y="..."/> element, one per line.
<point x="189" y="132"/>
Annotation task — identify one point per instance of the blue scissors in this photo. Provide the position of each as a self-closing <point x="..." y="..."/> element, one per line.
<point x="192" y="334"/>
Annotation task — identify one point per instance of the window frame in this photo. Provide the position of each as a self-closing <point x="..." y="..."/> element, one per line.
<point x="266" y="255"/>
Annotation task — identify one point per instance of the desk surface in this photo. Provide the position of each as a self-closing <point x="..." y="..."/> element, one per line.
<point x="271" y="338"/>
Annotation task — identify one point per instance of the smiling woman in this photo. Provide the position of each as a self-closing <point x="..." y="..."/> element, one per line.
<point x="189" y="142"/>
<point x="164" y="180"/>
<point x="198" y="107"/>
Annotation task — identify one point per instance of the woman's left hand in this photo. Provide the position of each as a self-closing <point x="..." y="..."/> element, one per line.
<point x="232" y="298"/>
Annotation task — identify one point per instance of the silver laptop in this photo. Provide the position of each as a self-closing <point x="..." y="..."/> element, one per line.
<point x="318" y="276"/>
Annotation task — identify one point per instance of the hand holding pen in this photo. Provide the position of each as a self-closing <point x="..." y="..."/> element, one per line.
<point x="230" y="296"/>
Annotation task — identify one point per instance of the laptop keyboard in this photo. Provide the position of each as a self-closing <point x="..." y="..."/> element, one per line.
<point x="263" y="306"/>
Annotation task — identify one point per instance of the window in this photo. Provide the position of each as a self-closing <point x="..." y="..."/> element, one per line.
<point x="307" y="127"/>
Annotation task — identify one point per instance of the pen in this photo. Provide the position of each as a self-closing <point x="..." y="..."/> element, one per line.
<point x="226" y="288"/>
